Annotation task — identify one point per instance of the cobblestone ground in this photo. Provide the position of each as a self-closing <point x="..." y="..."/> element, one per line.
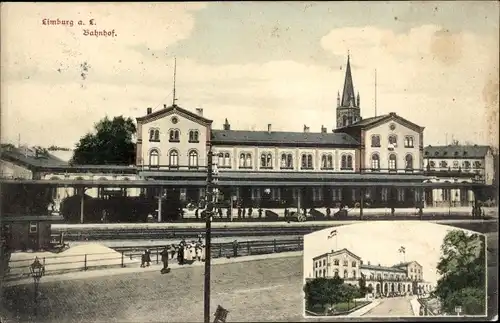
<point x="265" y="290"/>
<point x="397" y="306"/>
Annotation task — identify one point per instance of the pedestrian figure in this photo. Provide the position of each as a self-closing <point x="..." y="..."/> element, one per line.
<point x="239" y="213"/>
<point x="148" y="257"/>
<point x="243" y="212"/>
<point x="393" y="211"/>
<point x="286" y="214"/>
<point x="328" y="212"/>
<point x="220" y="212"/>
<point x="228" y="213"/>
<point x="235" y="248"/>
<point x="199" y="238"/>
<point x="180" y="254"/>
<point x="164" y="260"/>
<point x="196" y="214"/>
<point x="250" y="210"/>
<point x="260" y="213"/>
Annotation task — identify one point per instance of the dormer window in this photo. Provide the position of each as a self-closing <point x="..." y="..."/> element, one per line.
<point x="436" y="153"/>
<point x="194" y="136"/>
<point x="456" y="153"/>
<point x="174" y="135"/>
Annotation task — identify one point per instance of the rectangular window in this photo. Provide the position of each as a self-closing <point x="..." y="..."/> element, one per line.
<point x="33" y="227"/>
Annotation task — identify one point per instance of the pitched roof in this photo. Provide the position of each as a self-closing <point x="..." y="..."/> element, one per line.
<point x="458" y="151"/>
<point x="384" y="268"/>
<point x="404" y="264"/>
<point x="281" y="137"/>
<point x="334" y="253"/>
<point x="172" y="108"/>
<point x="372" y="121"/>
<point x="27" y="157"/>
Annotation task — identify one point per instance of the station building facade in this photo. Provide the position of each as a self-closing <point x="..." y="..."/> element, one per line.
<point x="377" y="162"/>
<point x="404" y="277"/>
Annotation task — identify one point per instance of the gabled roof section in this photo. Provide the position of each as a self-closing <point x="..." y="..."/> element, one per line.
<point x="232" y="137"/>
<point x="338" y="252"/>
<point x="404" y="264"/>
<point x="456" y="151"/>
<point x="173" y="108"/>
<point x="27" y="157"/>
<point x="375" y="121"/>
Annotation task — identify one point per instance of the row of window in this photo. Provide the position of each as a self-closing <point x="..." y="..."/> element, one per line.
<point x="174" y="135"/>
<point x="393" y="141"/>
<point x="286" y="161"/>
<point x="173" y="158"/>
<point x="336" y="262"/>
<point x="465" y="164"/>
<point x="322" y="273"/>
<point x="393" y="163"/>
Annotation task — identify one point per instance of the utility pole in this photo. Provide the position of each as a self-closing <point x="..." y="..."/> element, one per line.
<point x="212" y="193"/>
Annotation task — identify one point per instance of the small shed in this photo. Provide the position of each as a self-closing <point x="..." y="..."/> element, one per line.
<point x="30" y="232"/>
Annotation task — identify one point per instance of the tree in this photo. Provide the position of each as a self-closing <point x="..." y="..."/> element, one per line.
<point x="322" y="291"/>
<point x="111" y="143"/>
<point x="463" y="273"/>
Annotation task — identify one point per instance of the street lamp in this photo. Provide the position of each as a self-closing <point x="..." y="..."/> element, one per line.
<point x="212" y="193"/>
<point x="37" y="271"/>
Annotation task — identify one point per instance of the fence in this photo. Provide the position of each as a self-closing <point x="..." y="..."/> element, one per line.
<point x="131" y="256"/>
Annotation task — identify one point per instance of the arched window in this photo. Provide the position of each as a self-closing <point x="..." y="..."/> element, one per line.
<point x="393" y="162"/>
<point x="346" y="162"/>
<point x="242" y="160"/>
<point x="375" y="162"/>
<point x="432" y="164"/>
<point x="286" y="161"/>
<point x="245" y="160"/>
<point x="326" y="161"/>
<point x="466" y="164"/>
<point x="375" y="141"/>
<point x="344" y="121"/>
<point x="154" y="158"/>
<point x="227" y="160"/>
<point x="336" y="262"/>
<point x="307" y="161"/>
<point x="443" y="164"/>
<point x="353" y="264"/>
<point x="477" y="165"/>
<point x="151" y="134"/>
<point x="193" y="136"/>
<point x="266" y="160"/>
<point x="346" y="275"/>
<point x="354" y="274"/>
<point x="393" y="141"/>
<point x="408" y="142"/>
<point x="173" y="158"/>
<point x="409" y="162"/>
<point x="174" y="135"/>
<point x="193" y="159"/>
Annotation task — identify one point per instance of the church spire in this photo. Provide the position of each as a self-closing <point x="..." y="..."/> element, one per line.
<point x="348" y="98"/>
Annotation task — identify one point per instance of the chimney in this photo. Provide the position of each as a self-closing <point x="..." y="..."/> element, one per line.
<point x="323" y="129"/>
<point x="269" y="128"/>
<point x="227" y="126"/>
<point x="199" y="111"/>
<point x="306" y="128"/>
<point x="149" y="110"/>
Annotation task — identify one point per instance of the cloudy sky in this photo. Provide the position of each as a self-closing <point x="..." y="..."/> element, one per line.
<point x="379" y="242"/>
<point x="253" y="63"/>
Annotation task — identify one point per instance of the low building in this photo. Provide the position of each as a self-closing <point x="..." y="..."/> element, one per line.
<point x="400" y="278"/>
<point x="29" y="232"/>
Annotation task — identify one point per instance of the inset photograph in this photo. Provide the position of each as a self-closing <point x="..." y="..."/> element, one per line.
<point x="395" y="269"/>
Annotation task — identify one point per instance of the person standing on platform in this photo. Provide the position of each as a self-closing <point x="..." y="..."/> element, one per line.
<point x="243" y="211"/>
<point x="260" y="213"/>
<point x="239" y="212"/>
<point x="164" y="259"/>
<point x="228" y="213"/>
<point x="180" y="254"/>
<point x="148" y="257"/>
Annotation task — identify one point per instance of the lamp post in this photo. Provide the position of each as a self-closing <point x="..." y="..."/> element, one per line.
<point x="37" y="271"/>
<point x="212" y="193"/>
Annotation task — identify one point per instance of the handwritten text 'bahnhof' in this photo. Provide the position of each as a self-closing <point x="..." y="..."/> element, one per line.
<point x="86" y="31"/>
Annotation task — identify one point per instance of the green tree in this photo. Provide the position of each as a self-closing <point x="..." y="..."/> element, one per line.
<point x="322" y="291"/>
<point x="110" y="143"/>
<point x="463" y="273"/>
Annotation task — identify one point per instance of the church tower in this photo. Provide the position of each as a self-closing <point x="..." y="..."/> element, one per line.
<point x="348" y="111"/>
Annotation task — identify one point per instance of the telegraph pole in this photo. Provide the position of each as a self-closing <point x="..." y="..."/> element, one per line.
<point x="212" y="193"/>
